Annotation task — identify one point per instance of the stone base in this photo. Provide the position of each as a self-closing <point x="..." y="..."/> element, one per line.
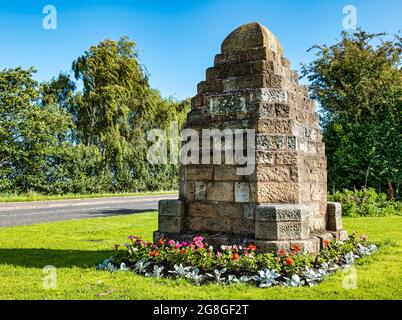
<point x="310" y="245"/>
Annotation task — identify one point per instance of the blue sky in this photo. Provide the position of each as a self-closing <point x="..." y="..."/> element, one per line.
<point x="177" y="39"/>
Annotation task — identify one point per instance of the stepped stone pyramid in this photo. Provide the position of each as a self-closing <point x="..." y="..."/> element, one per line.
<point x="284" y="200"/>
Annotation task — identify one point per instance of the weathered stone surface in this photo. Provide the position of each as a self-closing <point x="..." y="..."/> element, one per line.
<point x="242" y="192"/>
<point x="282" y="230"/>
<point x="246" y="82"/>
<point x="200" y="191"/>
<point x="218" y="217"/>
<point x="278" y="174"/>
<point x="170" y="223"/>
<point x="281" y="212"/>
<point x="252" y="54"/>
<point x="283" y="200"/>
<point x="274" y="126"/>
<point x="277" y="192"/>
<point x="209" y="86"/>
<point x="334" y="216"/>
<point x="220" y="191"/>
<point x="171" y="213"/>
<point x="286" y="158"/>
<point x="226" y="173"/>
<point x="171" y="208"/>
<point x="340" y="235"/>
<point x="249" y="36"/>
<point x="265" y="157"/>
<point x="200" y="173"/>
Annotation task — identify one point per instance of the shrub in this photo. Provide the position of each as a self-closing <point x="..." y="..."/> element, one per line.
<point x="366" y="203"/>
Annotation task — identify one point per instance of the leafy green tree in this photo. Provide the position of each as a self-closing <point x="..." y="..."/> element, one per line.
<point x="55" y="139"/>
<point x="358" y="84"/>
<point x="31" y="136"/>
<point x="115" y="111"/>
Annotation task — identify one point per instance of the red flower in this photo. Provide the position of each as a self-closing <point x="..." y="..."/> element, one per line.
<point x="296" y="247"/>
<point x="292" y="253"/>
<point x="161" y="242"/>
<point x="235" y="256"/>
<point x="154" y="253"/>
<point x="185" y="251"/>
<point x="281" y="252"/>
<point x="326" y="243"/>
<point x="252" y="247"/>
<point x="289" y="261"/>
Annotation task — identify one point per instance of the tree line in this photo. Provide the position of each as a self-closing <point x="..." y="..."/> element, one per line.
<point x="57" y="139"/>
<point x="86" y="132"/>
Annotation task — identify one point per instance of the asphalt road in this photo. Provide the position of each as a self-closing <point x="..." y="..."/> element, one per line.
<point x="26" y="213"/>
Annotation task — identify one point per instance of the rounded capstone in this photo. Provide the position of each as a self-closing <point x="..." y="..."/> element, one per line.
<point x="251" y="35"/>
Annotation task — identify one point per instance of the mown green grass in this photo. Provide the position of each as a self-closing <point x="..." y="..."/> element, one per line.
<point x="74" y="247"/>
<point x="39" y="197"/>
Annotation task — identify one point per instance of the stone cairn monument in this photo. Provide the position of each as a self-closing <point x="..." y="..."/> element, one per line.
<point x="284" y="200"/>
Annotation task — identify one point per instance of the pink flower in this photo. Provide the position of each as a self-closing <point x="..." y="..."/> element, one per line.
<point x="219" y="254"/>
<point x="183" y="244"/>
<point x="171" y="243"/>
<point x="198" y="239"/>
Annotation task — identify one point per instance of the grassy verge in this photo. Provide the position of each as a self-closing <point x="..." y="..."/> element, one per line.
<point x="40" y="197"/>
<point x="74" y="247"/>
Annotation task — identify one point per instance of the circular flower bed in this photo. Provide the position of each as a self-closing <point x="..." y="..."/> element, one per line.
<point x="200" y="263"/>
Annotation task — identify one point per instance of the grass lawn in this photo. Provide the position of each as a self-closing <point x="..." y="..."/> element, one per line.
<point x="74" y="247"/>
<point x="39" y="197"/>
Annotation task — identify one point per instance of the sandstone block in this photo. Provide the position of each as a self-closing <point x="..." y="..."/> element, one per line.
<point x="286" y="158"/>
<point x="200" y="191"/>
<point x="220" y="191"/>
<point x="274" y="126"/>
<point x="170" y="223"/>
<point x="271" y="246"/>
<point x="272" y="95"/>
<point x="209" y="86"/>
<point x="310" y="245"/>
<point x="287" y="230"/>
<point x="334" y="216"/>
<point x="340" y="235"/>
<point x="242" y="192"/>
<point x="197" y="102"/>
<point x="282" y="110"/>
<point x="279" y="174"/>
<point x="226" y="173"/>
<point x="249" y="210"/>
<point x="318" y="191"/>
<point x="277" y="192"/>
<point x="264" y="110"/>
<point x="264" y="157"/>
<point x="281" y="212"/>
<point x="198" y="173"/>
<point x="246" y="82"/>
<point x="171" y="208"/>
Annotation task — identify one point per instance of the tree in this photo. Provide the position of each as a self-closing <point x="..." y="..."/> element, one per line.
<point x="32" y="136"/>
<point x="358" y="84"/>
<point x="55" y="139"/>
<point x="115" y="110"/>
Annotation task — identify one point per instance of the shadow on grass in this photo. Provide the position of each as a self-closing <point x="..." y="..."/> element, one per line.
<point x="38" y="258"/>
